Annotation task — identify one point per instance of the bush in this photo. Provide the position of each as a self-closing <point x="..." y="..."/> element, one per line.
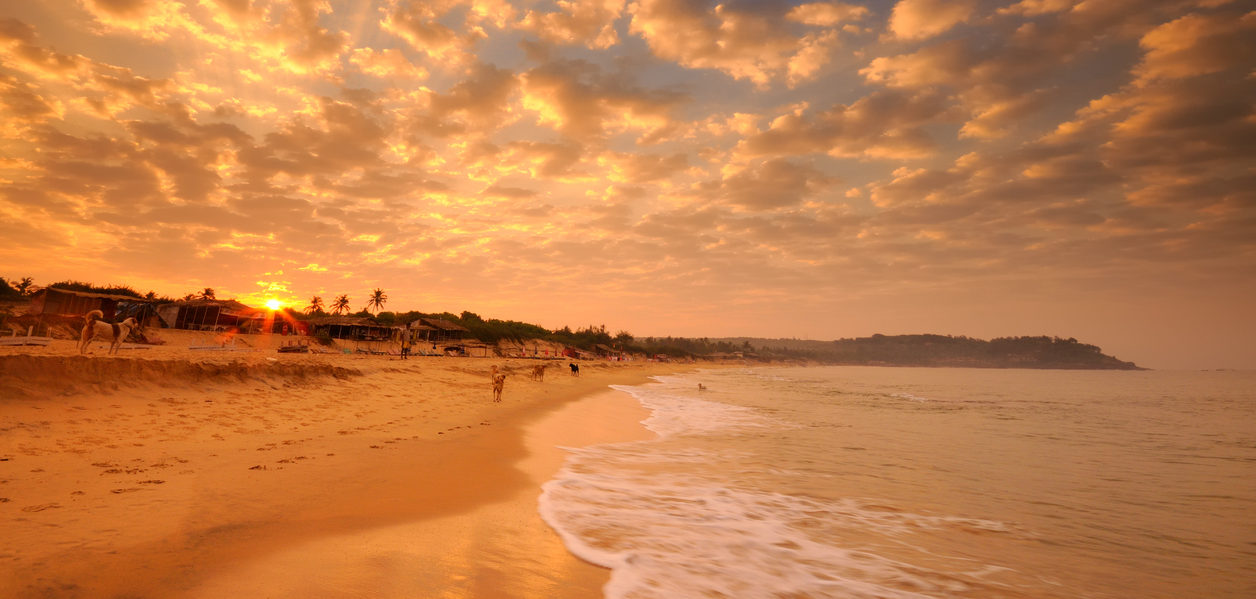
<point x="323" y="338"/>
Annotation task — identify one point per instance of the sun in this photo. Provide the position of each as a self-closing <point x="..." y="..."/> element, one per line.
<point x="272" y="304"/>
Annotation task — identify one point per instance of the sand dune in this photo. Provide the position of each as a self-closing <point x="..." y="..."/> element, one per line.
<point x="151" y="473"/>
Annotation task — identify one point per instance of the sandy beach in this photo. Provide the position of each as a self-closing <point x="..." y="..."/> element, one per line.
<point x="172" y="472"/>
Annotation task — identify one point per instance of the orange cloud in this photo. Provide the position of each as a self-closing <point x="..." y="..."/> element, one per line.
<point x="923" y="19"/>
<point x="591" y="23"/>
<point x="756" y="45"/>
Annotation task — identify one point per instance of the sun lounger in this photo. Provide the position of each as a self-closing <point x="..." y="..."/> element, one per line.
<point x="27" y="339"/>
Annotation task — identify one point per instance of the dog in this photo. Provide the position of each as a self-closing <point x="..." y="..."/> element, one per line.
<point x="538" y="373"/>
<point x="115" y="332"/>
<point x="499" y="383"/>
<point x="575" y="369"/>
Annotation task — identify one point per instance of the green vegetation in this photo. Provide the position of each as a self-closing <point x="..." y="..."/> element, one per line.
<point x="8" y="292"/>
<point x="945" y="350"/>
<point x="91" y="288"/>
<point x="879" y="350"/>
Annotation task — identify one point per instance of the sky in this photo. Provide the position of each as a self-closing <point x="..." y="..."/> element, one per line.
<point x="812" y="170"/>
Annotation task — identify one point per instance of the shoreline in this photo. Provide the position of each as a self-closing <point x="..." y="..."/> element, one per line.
<point x="171" y="488"/>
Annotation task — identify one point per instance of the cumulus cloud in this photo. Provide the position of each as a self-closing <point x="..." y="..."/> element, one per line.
<point x="751" y="42"/>
<point x="922" y="19"/>
<point x="591" y="23"/>
<point x="652" y="151"/>
<point x="884" y="124"/>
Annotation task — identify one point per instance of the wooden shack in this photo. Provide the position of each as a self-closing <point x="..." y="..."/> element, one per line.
<point x="64" y="302"/>
<point x="437" y="331"/>
<point x="212" y="315"/>
<point x="350" y="327"/>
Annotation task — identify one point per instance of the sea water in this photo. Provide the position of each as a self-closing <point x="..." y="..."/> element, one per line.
<point x="914" y="482"/>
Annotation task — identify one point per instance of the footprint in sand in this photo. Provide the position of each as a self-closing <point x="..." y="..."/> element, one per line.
<point x="121" y="491"/>
<point x="40" y="508"/>
<point x="152" y="482"/>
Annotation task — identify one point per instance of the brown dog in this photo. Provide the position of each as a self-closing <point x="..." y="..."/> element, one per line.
<point x="116" y="333"/>
<point x="538" y="373"/>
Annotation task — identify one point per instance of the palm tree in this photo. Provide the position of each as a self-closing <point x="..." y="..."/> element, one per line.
<point x="207" y="293"/>
<point x="316" y="305"/>
<point x="340" y="305"/>
<point x="377" y="300"/>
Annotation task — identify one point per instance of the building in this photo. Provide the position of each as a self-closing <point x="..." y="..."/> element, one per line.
<point x="350" y="327"/>
<point x="212" y="315"/>
<point x="437" y="331"/>
<point x="55" y="301"/>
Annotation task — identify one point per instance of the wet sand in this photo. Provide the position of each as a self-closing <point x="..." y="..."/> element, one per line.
<point x="172" y="473"/>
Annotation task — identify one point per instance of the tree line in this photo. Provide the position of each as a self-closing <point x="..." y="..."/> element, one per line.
<point x="896" y="350"/>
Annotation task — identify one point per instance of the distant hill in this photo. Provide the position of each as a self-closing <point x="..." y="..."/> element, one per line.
<point x="939" y="350"/>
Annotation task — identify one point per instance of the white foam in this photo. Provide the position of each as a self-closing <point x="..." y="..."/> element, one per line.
<point x="669" y="537"/>
<point x="674" y="413"/>
<point x="667" y="528"/>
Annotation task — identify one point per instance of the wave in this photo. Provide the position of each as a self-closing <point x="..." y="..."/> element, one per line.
<point x="42" y="376"/>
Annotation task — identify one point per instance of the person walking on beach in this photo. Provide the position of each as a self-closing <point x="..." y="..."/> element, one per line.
<point x="405" y="345"/>
<point x="499" y="383"/>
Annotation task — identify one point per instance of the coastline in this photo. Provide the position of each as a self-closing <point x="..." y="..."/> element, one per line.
<point x="292" y="475"/>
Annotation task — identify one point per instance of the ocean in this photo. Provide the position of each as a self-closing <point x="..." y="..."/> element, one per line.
<point x="923" y="482"/>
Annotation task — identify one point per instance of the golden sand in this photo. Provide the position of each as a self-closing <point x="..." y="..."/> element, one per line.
<point x="170" y="472"/>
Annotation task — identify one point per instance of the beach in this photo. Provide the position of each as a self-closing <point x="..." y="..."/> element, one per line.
<point x="175" y="472"/>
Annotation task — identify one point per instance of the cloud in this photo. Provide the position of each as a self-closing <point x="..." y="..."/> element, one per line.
<point x="435" y="29"/>
<point x="591" y="23"/>
<point x="745" y="41"/>
<point x="19" y="41"/>
<point x="578" y="99"/>
<point x="1198" y="44"/>
<point x="826" y="14"/>
<point x="478" y="103"/>
<point x="389" y="63"/>
<point x="884" y="124"/>
<point x="923" y="19"/>
<point x="773" y="184"/>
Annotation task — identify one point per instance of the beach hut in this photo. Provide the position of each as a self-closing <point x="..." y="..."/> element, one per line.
<point x="212" y="315"/>
<point x="357" y="328"/>
<point x="64" y="302"/>
<point x="437" y="331"/>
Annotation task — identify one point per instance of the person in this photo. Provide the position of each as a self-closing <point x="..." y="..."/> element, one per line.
<point x="575" y="369"/>
<point x="405" y="346"/>
<point x="499" y="382"/>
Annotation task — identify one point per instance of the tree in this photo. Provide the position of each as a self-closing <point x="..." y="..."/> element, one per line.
<point x="316" y="305"/>
<point x="207" y="293"/>
<point x="8" y="291"/>
<point x="340" y="305"/>
<point x="377" y="300"/>
<point x="24" y="286"/>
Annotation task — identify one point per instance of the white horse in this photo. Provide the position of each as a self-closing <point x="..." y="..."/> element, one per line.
<point x="115" y="332"/>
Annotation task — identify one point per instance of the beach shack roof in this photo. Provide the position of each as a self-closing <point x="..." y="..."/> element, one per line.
<point x="210" y="315"/>
<point x="440" y="325"/>
<point x="66" y="302"/>
<point x="350" y="327"/>
<point x="606" y="349"/>
<point x="437" y="330"/>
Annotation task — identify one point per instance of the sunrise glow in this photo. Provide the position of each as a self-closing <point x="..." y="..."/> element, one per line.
<point x="773" y="169"/>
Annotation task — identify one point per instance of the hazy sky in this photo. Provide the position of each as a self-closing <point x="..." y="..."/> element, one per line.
<point x="815" y="170"/>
